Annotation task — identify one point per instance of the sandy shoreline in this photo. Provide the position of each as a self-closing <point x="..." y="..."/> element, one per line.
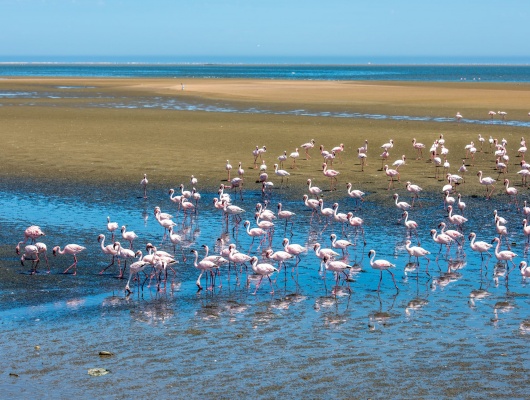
<point x="66" y="138"/>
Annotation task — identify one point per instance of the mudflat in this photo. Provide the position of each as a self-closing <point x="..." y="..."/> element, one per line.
<point x="93" y="131"/>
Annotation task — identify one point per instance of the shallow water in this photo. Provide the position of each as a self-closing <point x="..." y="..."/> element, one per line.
<point x="456" y="334"/>
<point x="98" y="100"/>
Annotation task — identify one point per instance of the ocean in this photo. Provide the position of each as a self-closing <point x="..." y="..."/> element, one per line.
<point x="433" y="73"/>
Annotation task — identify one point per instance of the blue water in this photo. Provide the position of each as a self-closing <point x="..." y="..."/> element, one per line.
<point x="462" y="327"/>
<point x="441" y="73"/>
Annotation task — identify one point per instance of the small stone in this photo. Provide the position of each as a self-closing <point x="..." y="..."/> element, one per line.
<point x="105" y="354"/>
<point x="13" y="374"/>
<point x="98" y="371"/>
<point x="37" y="348"/>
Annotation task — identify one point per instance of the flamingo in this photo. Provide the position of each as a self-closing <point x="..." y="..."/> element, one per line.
<point x="228" y="169"/>
<point x="144" y="183"/>
<point x="294" y="155"/>
<point x="108" y="250"/>
<point x="326" y="212"/>
<point x="203" y="266"/>
<point x="441" y="239"/>
<point x="501" y="230"/>
<point x="185" y="193"/>
<point x="488" y="182"/>
<point x="280" y="256"/>
<point x="294" y="249"/>
<point x="337" y="267"/>
<point x="307" y="146"/>
<point x="455" y="235"/>
<point x="232" y="210"/>
<point x="526" y="230"/>
<point x="112" y="227"/>
<point x="123" y="254"/>
<point x="128" y="235"/>
<point x="338" y="150"/>
<point x="511" y="191"/>
<point x="236" y="257"/>
<point x="313" y="204"/>
<point x="341" y="218"/>
<point x="164" y="223"/>
<point x="458" y="116"/>
<point x="419" y="148"/>
<point x="285" y="214"/>
<point x="314" y="190"/>
<point x="448" y="200"/>
<point x="340" y="243"/>
<point x="463" y="168"/>
<point x="357" y="223"/>
<point x="410" y="225"/>
<point x="402" y="205"/>
<point x="400" y="162"/>
<point x="391" y="173"/>
<point x="524" y="269"/>
<point x="254" y="232"/>
<point x="135" y="268"/>
<point x="480" y="247"/>
<point x="72" y="249"/>
<point x="415" y="190"/>
<point x="324" y="252"/>
<point x="381" y="265"/>
<point x="362" y="157"/>
<point x="281" y="173"/>
<point x="492" y="114"/>
<point x="416" y="251"/>
<point x="456" y="219"/>
<point x="31" y="252"/>
<point x="282" y="158"/>
<point x="505" y="255"/>
<point x="330" y="173"/>
<point x="461" y="204"/>
<point x="43" y="249"/>
<point x="355" y="193"/>
<point x="263" y="269"/>
<point x="32" y="232"/>
<point x="388" y="146"/>
<point x="384" y="156"/>
<point x="240" y="171"/>
<point x="265" y="214"/>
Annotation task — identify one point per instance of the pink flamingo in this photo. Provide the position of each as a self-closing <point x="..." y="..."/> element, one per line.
<point x="123" y="254"/>
<point x="391" y="173"/>
<point x="262" y="269"/>
<point x="324" y="252"/>
<point x="417" y="251"/>
<point x="384" y="156"/>
<point x="355" y="193"/>
<point x="31" y="252"/>
<point x="480" y="246"/>
<point x="294" y="249"/>
<point x="330" y="173"/>
<point x="108" y="250"/>
<point x="511" y="191"/>
<point x="112" y="227"/>
<point x="338" y="150"/>
<point x="281" y="173"/>
<point x="455" y="235"/>
<point x="419" y="148"/>
<point x="128" y="236"/>
<point x="387" y="146"/>
<point x="228" y="168"/>
<point x="282" y="158"/>
<point x="381" y="265"/>
<point x="505" y="255"/>
<point x="340" y="243"/>
<point x="308" y="146"/>
<point x="313" y="204"/>
<point x="135" y="268"/>
<point x="526" y="230"/>
<point x="32" y="232"/>
<point x="400" y="162"/>
<point x="294" y="155"/>
<point x="338" y="267"/>
<point x="441" y="239"/>
<point x="279" y="256"/>
<point x="203" y="266"/>
<point x="488" y="182"/>
<point x="286" y="215"/>
<point x="314" y="190"/>
<point x="144" y="183"/>
<point x="415" y="190"/>
<point x="254" y="232"/>
<point x="456" y="219"/>
<point x="72" y="249"/>
<point x="357" y="224"/>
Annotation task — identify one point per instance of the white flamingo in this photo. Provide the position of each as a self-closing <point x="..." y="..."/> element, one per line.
<point x="488" y="182"/>
<point x="144" y="183"/>
<point x="331" y="174"/>
<point x="480" y="246"/>
<point x="263" y="269"/>
<point x="308" y="146"/>
<point x="281" y="173"/>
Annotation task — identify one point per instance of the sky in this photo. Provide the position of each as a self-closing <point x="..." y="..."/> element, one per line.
<point x="232" y="30"/>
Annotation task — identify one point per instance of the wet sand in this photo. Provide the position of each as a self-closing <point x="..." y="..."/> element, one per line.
<point x="69" y="139"/>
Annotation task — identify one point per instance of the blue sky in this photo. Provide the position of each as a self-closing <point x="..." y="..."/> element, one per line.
<point x="208" y="30"/>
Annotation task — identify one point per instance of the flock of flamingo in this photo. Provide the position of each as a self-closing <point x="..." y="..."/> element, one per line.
<point x="156" y="264"/>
